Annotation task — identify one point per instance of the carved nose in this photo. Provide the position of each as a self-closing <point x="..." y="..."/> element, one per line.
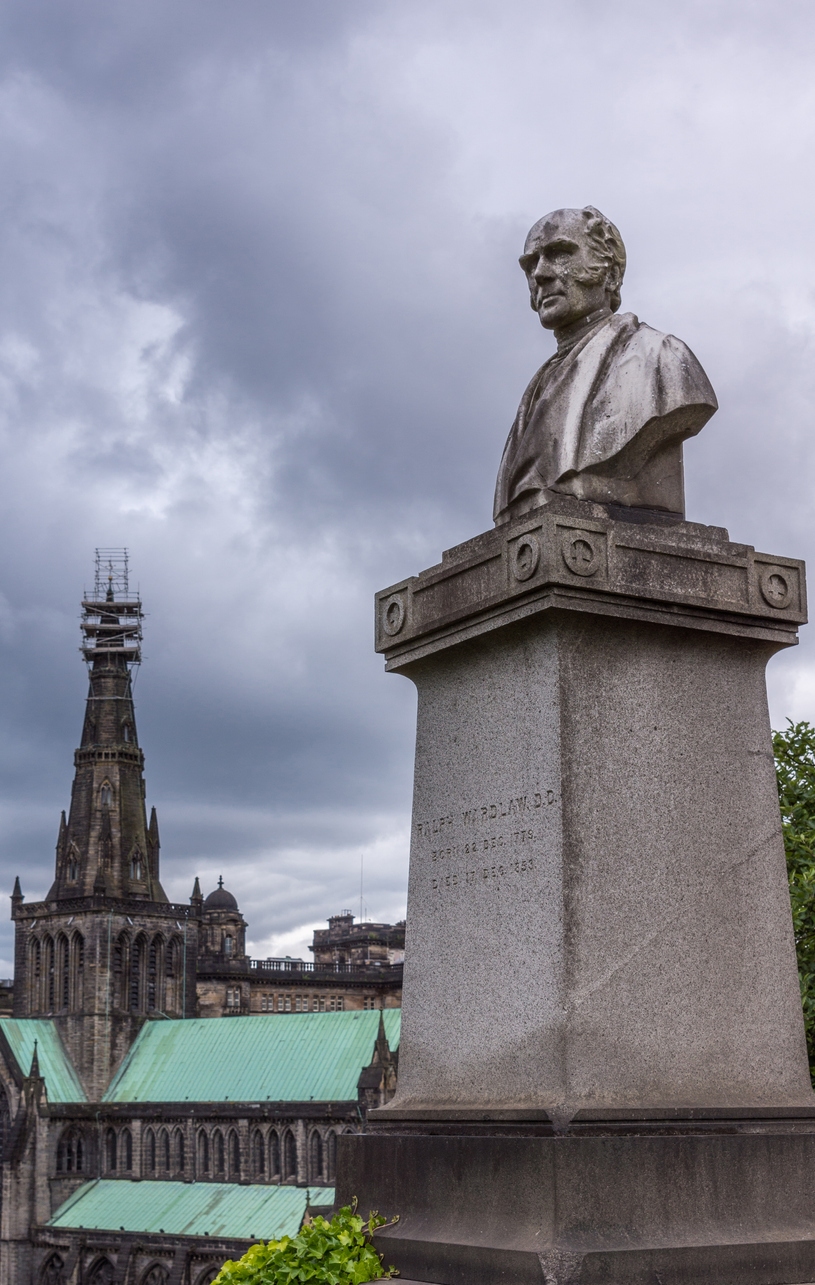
<point x="543" y="270"/>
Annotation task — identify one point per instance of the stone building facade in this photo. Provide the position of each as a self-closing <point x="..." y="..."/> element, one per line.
<point x="112" y="981"/>
<point x="106" y="948"/>
<point x="355" y="966"/>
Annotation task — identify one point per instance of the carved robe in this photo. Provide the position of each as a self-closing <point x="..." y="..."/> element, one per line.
<point x="605" y="421"/>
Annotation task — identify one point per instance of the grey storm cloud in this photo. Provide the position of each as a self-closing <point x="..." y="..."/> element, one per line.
<point x="261" y="321"/>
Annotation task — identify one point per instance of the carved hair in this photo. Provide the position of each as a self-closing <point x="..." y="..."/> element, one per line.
<point x="606" y="242"/>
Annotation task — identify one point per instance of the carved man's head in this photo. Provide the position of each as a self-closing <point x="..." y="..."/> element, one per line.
<point x="574" y="262"/>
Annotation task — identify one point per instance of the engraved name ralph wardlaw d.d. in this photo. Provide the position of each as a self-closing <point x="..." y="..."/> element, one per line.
<point x="604" y="419"/>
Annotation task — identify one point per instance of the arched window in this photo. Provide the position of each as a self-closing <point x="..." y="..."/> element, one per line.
<point x="229" y="944"/>
<point x="126" y="1150"/>
<point x="136" y="967"/>
<point x="72" y="865"/>
<point x="234" y="1155"/>
<point x="258" y="1152"/>
<point x="77" y="971"/>
<point x="178" y="1148"/>
<point x="127" y="733"/>
<point x="274" y="1156"/>
<point x="121" y="965"/>
<point x="330" y="1156"/>
<point x="155" y="1275"/>
<point x="164" y="1150"/>
<point x="110" y="1150"/>
<point x="203" y="1152"/>
<point x="101" y="1272"/>
<point x="315" y="1157"/>
<point x="207" y="1276"/>
<point x="71" y="1152"/>
<point x="106" y="794"/>
<point x="154" y="997"/>
<point x="218" y="1152"/>
<point x="50" y="987"/>
<point x="289" y="1157"/>
<point x="137" y="867"/>
<point x="5" y="1124"/>
<point x="35" y="992"/>
<point x="53" y="1271"/>
<point x="150" y="1151"/>
<point x="64" y="966"/>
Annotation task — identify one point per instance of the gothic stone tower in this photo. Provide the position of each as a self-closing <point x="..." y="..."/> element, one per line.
<point x="106" y="949"/>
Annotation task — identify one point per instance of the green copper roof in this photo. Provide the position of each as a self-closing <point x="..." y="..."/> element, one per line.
<point x="61" y="1081"/>
<point x="190" y="1209"/>
<point x="295" y="1057"/>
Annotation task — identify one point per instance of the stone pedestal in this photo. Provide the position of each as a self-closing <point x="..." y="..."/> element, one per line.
<point x="599" y="937"/>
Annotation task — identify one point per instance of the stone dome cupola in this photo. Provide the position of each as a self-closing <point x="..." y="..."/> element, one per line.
<point x="223" y="925"/>
<point x="220" y="899"/>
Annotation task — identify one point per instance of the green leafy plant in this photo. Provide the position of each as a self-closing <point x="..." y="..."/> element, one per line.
<point x="794" y="750"/>
<point x="338" y="1252"/>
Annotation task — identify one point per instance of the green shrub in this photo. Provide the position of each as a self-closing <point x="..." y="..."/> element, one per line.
<point x="795" y="767"/>
<point x="339" y="1252"/>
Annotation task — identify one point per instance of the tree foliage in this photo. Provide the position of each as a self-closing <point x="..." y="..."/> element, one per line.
<point x="794" y="750"/>
<point x="339" y="1252"/>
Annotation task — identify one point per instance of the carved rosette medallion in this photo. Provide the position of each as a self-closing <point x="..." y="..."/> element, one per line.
<point x="393" y="614"/>
<point x="775" y="584"/>
<point x="525" y="555"/>
<point x="581" y="552"/>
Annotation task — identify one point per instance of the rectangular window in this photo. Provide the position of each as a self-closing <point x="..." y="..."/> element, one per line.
<point x="280" y="1003"/>
<point x="297" y="1004"/>
<point x="322" y="1003"/>
<point x="288" y="1003"/>
<point x="263" y="1003"/>
<point x="315" y="1004"/>
<point x="340" y="1003"/>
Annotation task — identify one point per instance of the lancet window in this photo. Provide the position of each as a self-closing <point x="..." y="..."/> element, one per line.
<point x="234" y="1155"/>
<point x="315" y="1159"/>
<point x="258" y="1153"/>
<point x="203" y="1152"/>
<point x="71" y="1152"/>
<point x="289" y="1157"/>
<point x="274" y="1156"/>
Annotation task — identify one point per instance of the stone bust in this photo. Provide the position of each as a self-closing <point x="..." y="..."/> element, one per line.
<point x="604" y="419"/>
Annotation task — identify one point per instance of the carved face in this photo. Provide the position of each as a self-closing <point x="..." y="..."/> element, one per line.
<point x="566" y="279"/>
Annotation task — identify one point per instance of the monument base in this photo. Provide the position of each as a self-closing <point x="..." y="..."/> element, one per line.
<point x="688" y="1197"/>
<point x="603" y="1071"/>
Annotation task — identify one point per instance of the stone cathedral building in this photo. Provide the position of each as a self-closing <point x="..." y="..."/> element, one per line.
<point x="140" y="1142"/>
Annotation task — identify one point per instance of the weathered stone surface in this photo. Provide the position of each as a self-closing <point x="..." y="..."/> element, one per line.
<point x="605" y="417"/>
<point x="712" y="1203"/>
<point x="574" y="555"/>
<point x="597" y="910"/>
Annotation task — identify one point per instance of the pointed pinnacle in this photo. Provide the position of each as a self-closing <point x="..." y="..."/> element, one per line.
<point x="196" y="891"/>
<point x="17" y="894"/>
<point x="34" y="1073"/>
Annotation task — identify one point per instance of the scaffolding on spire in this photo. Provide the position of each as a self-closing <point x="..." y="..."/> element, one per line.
<point x="111" y="617"/>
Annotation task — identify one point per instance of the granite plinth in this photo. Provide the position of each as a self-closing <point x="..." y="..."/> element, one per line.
<point x="730" y="1206"/>
<point x="598" y="913"/>
<point x="603" y="1072"/>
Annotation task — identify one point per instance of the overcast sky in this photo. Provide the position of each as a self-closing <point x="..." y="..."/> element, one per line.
<point x="262" y="322"/>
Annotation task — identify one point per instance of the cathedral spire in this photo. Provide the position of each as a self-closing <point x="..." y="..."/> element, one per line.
<point x="106" y="847"/>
